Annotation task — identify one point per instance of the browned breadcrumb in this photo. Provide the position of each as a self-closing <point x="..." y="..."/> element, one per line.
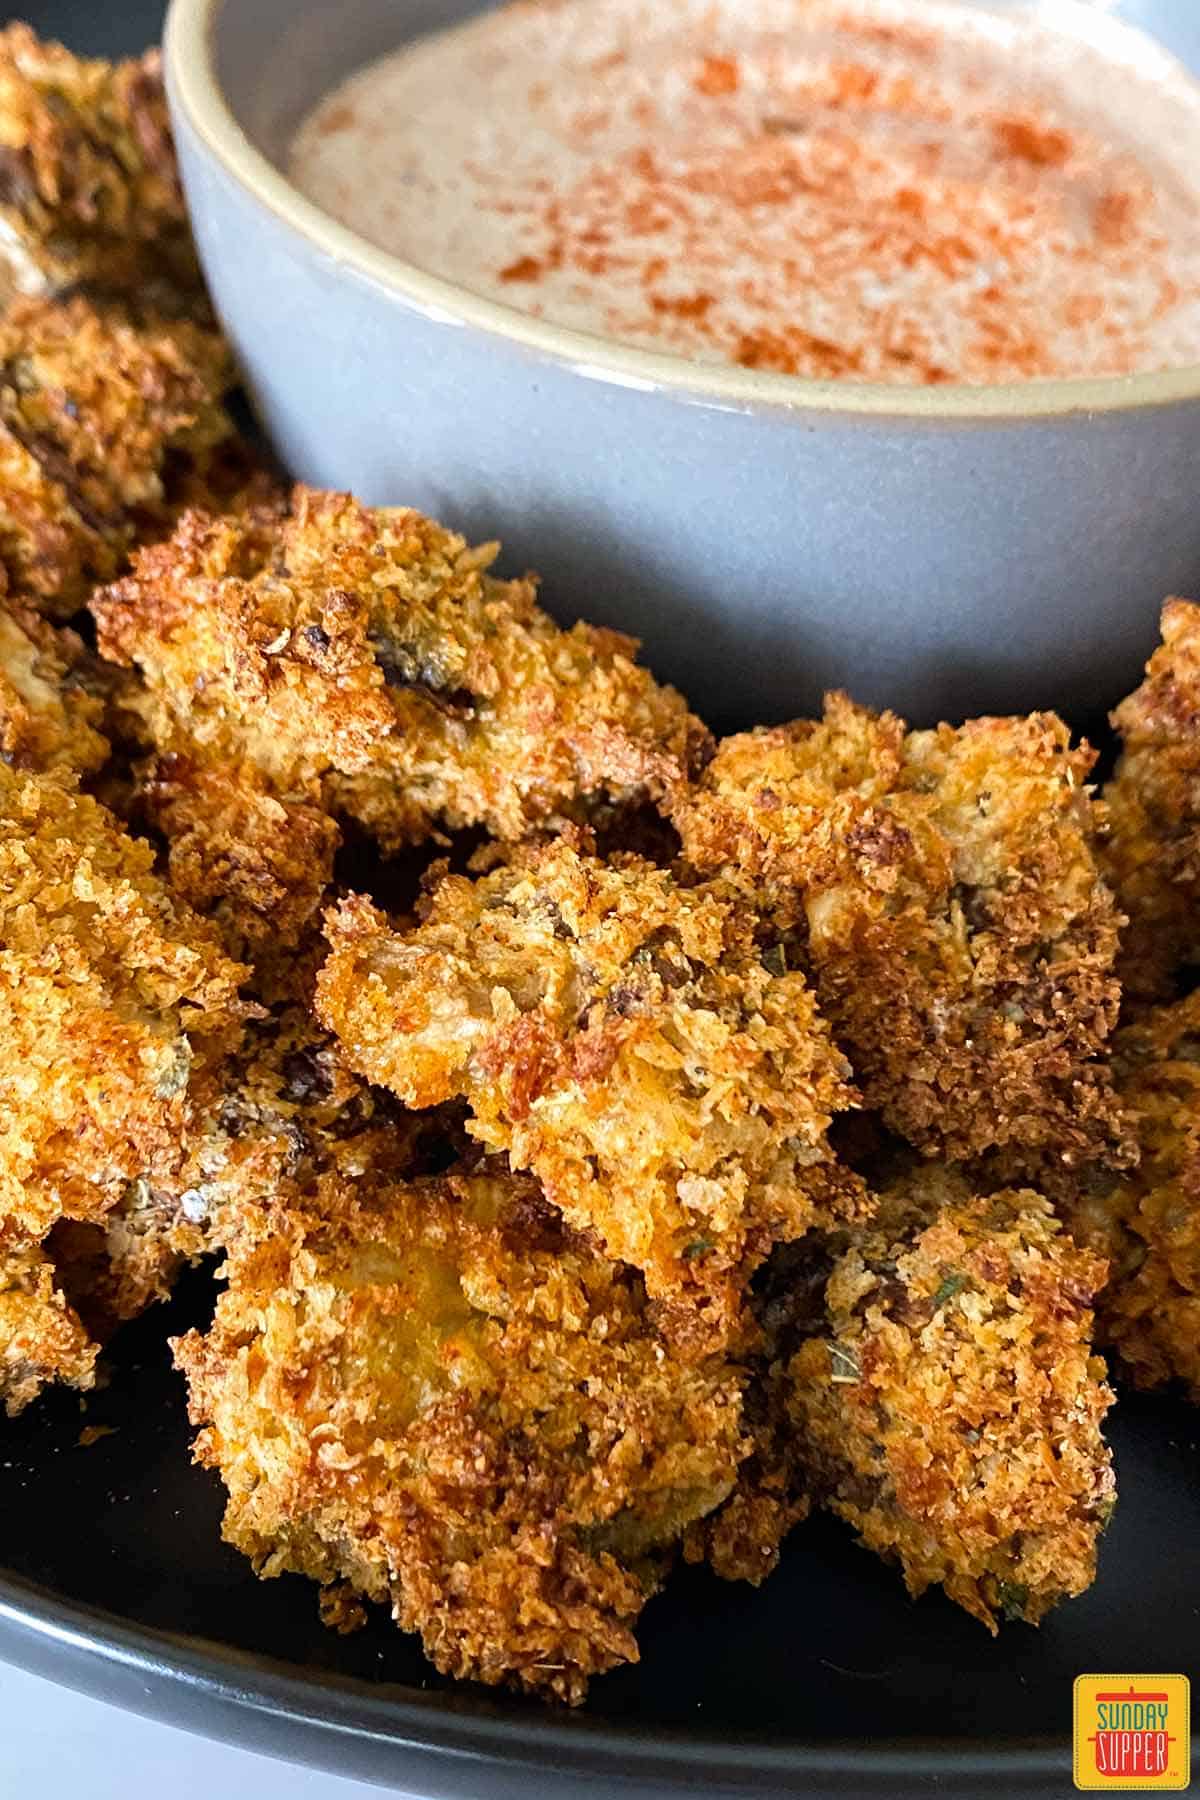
<point x="89" y="189"/>
<point x="258" y="866"/>
<point x="365" y="661"/>
<point x="742" y="1540"/>
<point x="41" y="1339"/>
<point x="114" y="1001"/>
<point x="1147" y="1222"/>
<point x="50" y="719"/>
<point x="95" y="1434"/>
<point x="279" y="1110"/>
<point x="1152" y="853"/>
<point x="437" y="1393"/>
<point x="950" y="1406"/>
<point x="943" y="887"/>
<point x="627" y="1040"/>
<point x="112" y="1271"/>
<point x="100" y="421"/>
<point x="340" y="1609"/>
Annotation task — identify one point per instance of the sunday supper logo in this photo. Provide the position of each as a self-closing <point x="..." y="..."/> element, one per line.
<point x="1132" y="1731"/>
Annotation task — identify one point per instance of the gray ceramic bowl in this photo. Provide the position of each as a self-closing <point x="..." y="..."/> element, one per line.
<point x="946" y="552"/>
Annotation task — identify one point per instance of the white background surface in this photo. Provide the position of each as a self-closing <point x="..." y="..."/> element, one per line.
<point x="56" y="1745"/>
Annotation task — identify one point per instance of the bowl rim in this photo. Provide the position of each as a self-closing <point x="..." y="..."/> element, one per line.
<point x="195" y="91"/>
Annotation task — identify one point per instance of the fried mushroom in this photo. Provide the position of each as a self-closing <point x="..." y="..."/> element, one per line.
<point x="41" y="1338"/>
<point x="1151" y="854"/>
<point x="663" y="1074"/>
<point x="115" y="1003"/>
<point x="89" y="188"/>
<point x="942" y="888"/>
<point x="436" y="1392"/>
<point x="104" y="427"/>
<point x="50" y="718"/>
<point x="949" y="1408"/>
<point x="364" y="660"/>
<point x="1146" y="1221"/>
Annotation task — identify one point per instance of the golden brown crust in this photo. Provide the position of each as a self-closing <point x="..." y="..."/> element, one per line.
<point x="627" y="1040"/>
<point x="436" y="1393"/>
<point x="950" y="1406"/>
<point x="945" y="890"/>
<point x="258" y="866"/>
<point x="280" y="1110"/>
<point x="364" y="660"/>
<point x="100" y="424"/>
<point x="742" y="1540"/>
<point x="50" y="719"/>
<point x="114" y="1000"/>
<point x="1147" y="1221"/>
<point x="41" y="1339"/>
<point x="1151" y="855"/>
<point x="89" y="189"/>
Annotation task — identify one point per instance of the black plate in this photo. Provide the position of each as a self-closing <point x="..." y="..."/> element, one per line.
<point x="827" y="1680"/>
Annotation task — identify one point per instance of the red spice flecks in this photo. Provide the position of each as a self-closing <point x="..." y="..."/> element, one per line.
<point x="717" y="75"/>
<point x="792" y="351"/>
<point x="854" y="82"/>
<point x="1116" y="212"/>
<point x="339" y="118"/>
<point x="1046" y="146"/>
<point x="526" y="268"/>
<point x="682" y="306"/>
<point x="854" y="220"/>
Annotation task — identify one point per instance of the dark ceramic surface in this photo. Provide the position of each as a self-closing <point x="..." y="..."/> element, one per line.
<point x="113" y="1579"/>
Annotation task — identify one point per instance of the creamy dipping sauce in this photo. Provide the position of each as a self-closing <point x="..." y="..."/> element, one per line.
<point x="909" y="191"/>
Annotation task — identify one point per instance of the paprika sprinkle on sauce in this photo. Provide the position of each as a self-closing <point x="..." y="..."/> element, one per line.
<point x="907" y="191"/>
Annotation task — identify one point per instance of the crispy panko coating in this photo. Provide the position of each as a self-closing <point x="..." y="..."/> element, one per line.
<point x="281" y="1109"/>
<point x="89" y="189"/>
<point x="258" y="866"/>
<point x="1147" y="1222"/>
<point x="950" y="1406"/>
<point x="438" y="1393"/>
<point x="741" y="1540"/>
<point x="943" y="888"/>
<point x="104" y="428"/>
<point x="41" y="1339"/>
<point x="1152" y="853"/>
<point x="364" y="660"/>
<point x="115" y="1001"/>
<point x="627" y="1040"/>
<point x="111" y="1272"/>
<point x="50" y="717"/>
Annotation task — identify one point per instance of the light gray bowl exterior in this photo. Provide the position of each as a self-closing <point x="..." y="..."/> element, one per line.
<point x="940" y="566"/>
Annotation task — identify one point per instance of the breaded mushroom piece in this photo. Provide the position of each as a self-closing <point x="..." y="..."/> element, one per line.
<point x="41" y="1338"/>
<point x="115" y="1003"/>
<point x="364" y="660"/>
<point x="89" y="189"/>
<point x="942" y="888"/>
<point x="258" y="866"/>
<point x="742" y="1540"/>
<point x="436" y="1392"/>
<point x="950" y="1406"/>
<point x="1151" y="855"/>
<point x="666" y="1078"/>
<point x="105" y="427"/>
<point x="50" y="718"/>
<point x="1147" y="1221"/>
<point x="281" y="1110"/>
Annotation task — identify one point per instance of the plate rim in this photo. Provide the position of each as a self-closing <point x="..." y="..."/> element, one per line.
<point x="87" y="1646"/>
